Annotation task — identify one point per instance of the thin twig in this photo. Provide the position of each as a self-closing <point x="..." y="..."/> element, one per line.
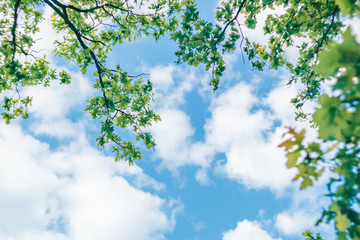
<point x="229" y="22"/>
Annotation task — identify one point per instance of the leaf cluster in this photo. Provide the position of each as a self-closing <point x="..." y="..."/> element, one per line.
<point x="204" y="42"/>
<point x="338" y="148"/>
<point x="90" y="29"/>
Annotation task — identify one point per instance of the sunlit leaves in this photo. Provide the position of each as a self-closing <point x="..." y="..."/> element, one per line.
<point x="89" y="30"/>
<point x="337" y="119"/>
<point x="310" y="236"/>
<point x="202" y="42"/>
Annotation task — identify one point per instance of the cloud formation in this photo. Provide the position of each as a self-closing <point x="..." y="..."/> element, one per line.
<point x="247" y="230"/>
<point x="74" y="193"/>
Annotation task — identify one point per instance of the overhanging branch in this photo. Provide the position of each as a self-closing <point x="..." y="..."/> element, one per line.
<point x="229" y="22"/>
<point x="64" y="16"/>
<point x="14" y="26"/>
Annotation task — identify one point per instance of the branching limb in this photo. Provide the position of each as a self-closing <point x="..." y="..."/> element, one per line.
<point x="63" y="15"/>
<point x="229" y="22"/>
<point x="14" y="26"/>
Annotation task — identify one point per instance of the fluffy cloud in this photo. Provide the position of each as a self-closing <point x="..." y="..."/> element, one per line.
<point x="171" y="83"/>
<point x="242" y="126"/>
<point x="52" y="105"/>
<point x="56" y="101"/>
<point x="293" y="223"/>
<point x="173" y="134"/>
<point x="306" y="208"/>
<point x="247" y="230"/>
<point x="244" y="132"/>
<point x="74" y="193"/>
<point x="172" y="137"/>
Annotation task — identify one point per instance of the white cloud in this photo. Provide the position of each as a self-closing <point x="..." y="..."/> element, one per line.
<point x="171" y="83"/>
<point x="162" y="77"/>
<point x="74" y="193"/>
<point x="241" y="126"/>
<point x="244" y="134"/>
<point x="234" y="128"/>
<point x="173" y="133"/>
<point x="202" y="176"/>
<point x="172" y="137"/>
<point x="294" y="223"/>
<point x="46" y="36"/>
<point x="247" y="230"/>
<point x="51" y="105"/>
<point x="113" y="212"/>
<point x="54" y="102"/>
<point x="306" y="208"/>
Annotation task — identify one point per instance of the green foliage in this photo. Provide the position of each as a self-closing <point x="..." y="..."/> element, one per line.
<point x="338" y="147"/>
<point x="201" y="41"/>
<point x="90" y="29"/>
<point x="318" y="24"/>
<point x="310" y="236"/>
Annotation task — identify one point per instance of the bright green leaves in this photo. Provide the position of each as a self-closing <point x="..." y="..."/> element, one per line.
<point x="310" y="236"/>
<point x="202" y="42"/>
<point x="123" y="100"/>
<point x="330" y="118"/>
<point x="126" y="106"/>
<point x="340" y="55"/>
<point x="319" y="22"/>
<point x="20" y="65"/>
<point x="292" y="158"/>
<point x="338" y="120"/>
<point x="64" y="77"/>
<point x="307" y="165"/>
<point x="349" y="7"/>
<point x="15" y="107"/>
<point x="342" y="221"/>
<point x="89" y="31"/>
<point x="311" y="160"/>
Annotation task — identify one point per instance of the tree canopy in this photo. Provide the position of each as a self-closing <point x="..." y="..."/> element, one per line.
<point x="327" y="50"/>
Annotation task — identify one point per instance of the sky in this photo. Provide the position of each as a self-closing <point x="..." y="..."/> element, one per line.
<point x="216" y="172"/>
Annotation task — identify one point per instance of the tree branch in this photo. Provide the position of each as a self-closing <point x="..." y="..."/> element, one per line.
<point x="229" y="22"/>
<point x="13" y="28"/>
<point x="318" y="48"/>
<point x="79" y="37"/>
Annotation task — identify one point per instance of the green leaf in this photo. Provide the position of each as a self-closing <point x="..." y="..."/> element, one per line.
<point x="292" y="158"/>
<point x="342" y="222"/>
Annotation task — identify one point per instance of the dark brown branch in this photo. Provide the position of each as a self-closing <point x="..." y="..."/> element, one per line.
<point x="133" y="76"/>
<point x="92" y="40"/>
<point x="113" y="17"/>
<point x="139" y="75"/>
<point x="80" y="10"/>
<point x="24" y="52"/>
<point x="78" y="35"/>
<point x="61" y="5"/>
<point x="318" y="48"/>
<point x="229" y="22"/>
<point x="326" y="33"/>
<point x="14" y="26"/>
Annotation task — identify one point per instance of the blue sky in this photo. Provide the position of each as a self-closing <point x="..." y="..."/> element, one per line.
<point x="216" y="172"/>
